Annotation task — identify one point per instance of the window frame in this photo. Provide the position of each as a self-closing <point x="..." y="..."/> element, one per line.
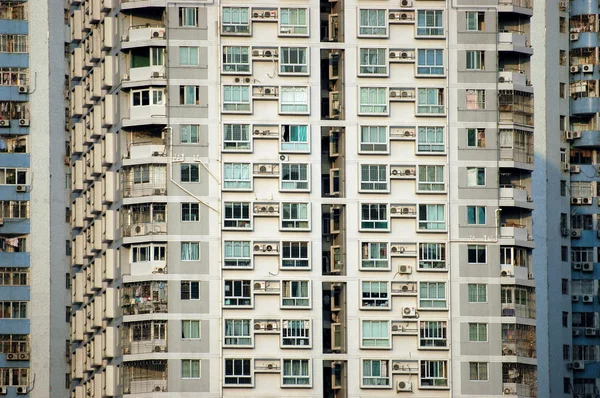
<point x="385" y="224"/>
<point x="442" y="328"/>
<point x="233" y="173"/>
<point x="476" y="215"/>
<point x="475" y="60"/>
<point x="303" y="29"/>
<point x="296" y="334"/>
<point x="476" y="138"/>
<point x="427" y="107"/>
<point x="425" y="286"/>
<point x="249" y="375"/>
<point x="376" y="108"/>
<point x="383" y="185"/>
<point x="299" y="259"/>
<point x="191" y="374"/>
<point x="477" y="292"/>
<point x="362" y="30"/>
<point x="381" y="381"/>
<point x="156" y="97"/>
<point x="478" y="173"/>
<point x="291" y="131"/>
<point x="236" y="53"/>
<point x="477" y="336"/>
<point x="230" y="131"/>
<point x="237" y="337"/>
<point x="440" y="250"/>
<point x="187" y="215"/>
<point x="423" y="224"/>
<point x="430" y="69"/>
<point x="239" y="258"/>
<point x="479" y="372"/>
<point x="190" y="140"/>
<point x="375" y="295"/>
<point x="189" y="243"/>
<point x="294" y="90"/>
<point x="189" y="173"/>
<point x="190" y="290"/>
<point x="190" y="323"/>
<point x="232" y="27"/>
<point x="381" y="69"/>
<point x="423" y="364"/>
<point x="384" y="326"/>
<point x="427" y="141"/>
<point x="427" y="30"/>
<point x="241" y="104"/>
<point x="369" y="134"/>
<point x="183" y="11"/>
<point x="305" y="67"/>
<point x="245" y="284"/>
<point x="478" y="250"/>
<point x="307" y="376"/>
<point x="369" y="251"/>
<point x="241" y="223"/>
<point x="292" y="301"/>
<point x="299" y="224"/>
<point x="297" y="181"/>
<point x="189" y="56"/>
<point x="423" y="172"/>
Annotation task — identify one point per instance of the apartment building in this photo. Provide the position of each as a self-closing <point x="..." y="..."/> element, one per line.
<point x="33" y="259"/>
<point x="302" y="198"/>
<point x="567" y="229"/>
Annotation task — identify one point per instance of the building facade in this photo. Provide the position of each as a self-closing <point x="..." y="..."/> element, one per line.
<point x="302" y="198"/>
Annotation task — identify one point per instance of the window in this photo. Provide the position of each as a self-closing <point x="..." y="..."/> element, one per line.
<point x="293" y="60"/>
<point x="294" y="177"/>
<point x="13" y="43"/>
<point x="579" y="221"/>
<point x="295" y="294"/>
<point x="562" y="24"/>
<point x="293" y="21"/>
<point x="13" y="309"/>
<point x="236" y="137"/>
<point x="188" y="16"/>
<point x="374" y="216"/>
<point x="236" y="98"/>
<point x="476" y="138"/>
<point x="294" y="255"/>
<point x="582" y="254"/>
<point x="564" y="286"/>
<point x="190" y="212"/>
<point x="562" y="57"/>
<point x="237" y="332"/>
<point x="434" y="374"/>
<point x="475" y="21"/>
<point x="296" y="372"/>
<point x="374" y="255"/>
<point x="475" y="176"/>
<point x="476" y="254"/>
<point x="477" y="293"/>
<point x="373" y="139"/>
<point x="582" y="189"/>
<point x="190" y="368"/>
<point x="563" y="188"/>
<point x="237" y="254"/>
<point x="147" y="97"/>
<point x="430" y="62"/>
<point x="190" y="329"/>
<point x="141" y="174"/>
<point x="190" y="251"/>
<point x="372" y="23"/>
<point x="430" y="23"/>
<point x="147" y="56"/>
<point x="235" y="20"/>
<point x="19" y="277"/>
<point x="475" y="60"/>
<point x="476" y="215"/>
<point x="432" y="295"/>
<point x="294" y="138"/>
<point x="375" y="295"/>
<point x="430" y="140"/>
<point x="433" y="334"/>
<point x="238" y="372"/>
<point x="237" y="293"/>
<point x="478" y="332"/>
<point x="375" y="373"/>
<point x="295" y="333"/>
<point x="373" y="100"/>
<point x="294" y="216"/>
<point x="190" y="134"/>
<point x="190" y="172"/>
<point x="190" y="290"/>
<point x="294" y="100"/>
<point x="432" y="217"/>
<point x="430" y="101"/>
<point x="375" y="334"/>
<point x="373" y="61"/>
<point x="142" y="253"/>
<point x="565" y="319"/>
<point x="236" y="176"/>
<point x="564" y="253"/>
<point x="567" y="385"/>
<point x="478" y="371"/>
<point x="432" y="256"/>
<point x="562" y="90"/>
<point x="236" y="59"/>
<point x="373" y="178"/>
<point x="431" y="179"/>
<point x="237" y="215"/>
<point x="475" y="99"/>
<point x="189" y="56"/>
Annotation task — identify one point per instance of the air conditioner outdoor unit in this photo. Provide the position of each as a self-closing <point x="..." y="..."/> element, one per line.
<point x="23" y="89"/>
<point x="575" y="168"/>
<point x="409" y="312"/>
<point x="405" y="3"/>
<point x="22" y="390"/>
<point x="576" y="134"/>
<point x="284" y="158"/>
<point x="404" y="269"/>
<point x="575" y="298"/>
<point x="3" y="391"/>
<point x="21" y="188"/>
<point x="586" y="201"/>
<point x="575" y="233"/>
<point x="23" y="122"/>
<point x="574" y="68"/>
<point x="564" y="231"/>
<point x="404" y="386"/>
<point x="578" y="365"/>
<point x="568" y="135"/>
<point x="588" y="298"/>
<point x="158" y="270"/>
<point x="4" y="123"/>
<point x="576" y="332"/>
<point x="588" y="68"/>
<point x="590" y="331"/>
<point x="574" y="36"/>
<point x="577" y="266"/>
<point x="587" y="267"/>
<point x="260" y="285"/>
<point x="575" y="201"/>
<point x="398" y="249"/>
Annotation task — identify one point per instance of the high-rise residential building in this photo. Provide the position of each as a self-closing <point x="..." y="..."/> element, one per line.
<point x="34" y="261"/>
<point x="302" y="198"/>
<point x="567" y="224"/>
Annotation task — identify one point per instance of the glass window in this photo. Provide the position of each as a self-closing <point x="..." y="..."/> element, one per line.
<point x="374" y="216"/>
<point x="296" y="372"/>
<point x="372" y="23"/>
<point x="238" y="372"/>
<point x="190" y="134"/>
<point x="431" y="178"/>
<point x="295" y="294"/>
<point x="430" y="139"/>
<point x="190" y="368"/>
<point x="432" y="217"/>
<point x="235" y="20"/>
<point x="475" y="21"/>
<point x="475" y="60"/>
<point x="475" y="99"/>
<point x="190" y="212"/>
<point x="430" y="23"/>
<point x="237" y="332"/>
<point x="476" y="215"/>
<point x="188" y="56"/>
<point x="189" y="95"/>
<point x="430" y="101"/>
<point x="237" y="254"/>
<point x="373" y="100"/>
<point x="237" y="176"/>
<point x="477" y="254"/>
<point x="373" y="61"/>
<point x="478" y="371"/>
<point x="236" y="137"/>
<point x="476" y="138"/>
<point x="475" y="176"/>
<point x="236" y="59"/>
<point x="190" y="172"/>
<point x="375" y="334"/>
<point x="375" y="373"/>
<point x="478" y="332"/>
<point x="147" y="97"/>
<point x="190" y="329"/>
<point x="294" y="177"/>
<point x="237" y="215"/>
<point x="190" y="290"/>
<point x="293" y="21"/>
<point x="294" y="255"/>
<point x="374" y="255"/>
<point x="188" y="16"/>
<point x="373" y="177"/>
<point x="433" y="334"/>
<point x="295" y="333"/>
<point x="294" y="138"/>
<point x="236" y="98"/>
<point x="477" y="293"/>
<point x="190" y="251"/>
<point x="432" y="256"/>
<point x="373" y="139"/>
<point x="432" y="295"/>
<point x="294" y="216"/>
<point x="375" y="295"/>
<point x="294" y="100"/>
<point x="237" y="293"/>
<point x="430" y="62"/>
<point x="293" y="60"/>
<point x="434" y="374"/>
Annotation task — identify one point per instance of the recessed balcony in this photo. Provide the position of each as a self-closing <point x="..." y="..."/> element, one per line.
<point x="145" y="377"/>
<point x="144" y="298"/>
<point x="514" y="41"/>
<point x="515" y="196"/>
<point x="144" y="337"/>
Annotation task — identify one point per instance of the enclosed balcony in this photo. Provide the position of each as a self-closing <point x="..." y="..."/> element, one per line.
<point x="144" y="337"/>
<point x="516" y="107"/>
<point x="147" y="107"/>
<point x="518" y="301"/>
<point x="516" y="149"/>
<point x="13" y="112"/>
<point x="513" y="79"/>
<point x="515" y="262"/>
<point x="145" y="145"/>
<point x="144" y="298"/>
<point x="15" y="346"/>
<point x="13" y="11"/>
<point x="145" y="377"/>
<point x="146" y="259"/>
<point x="144" y="180"/>
<point x="515" y="196"/>
<point x="144" y="219"/>
<point x="519" y="379"/>
<point x="146" y="67"/>
<point x="518" y="340"/>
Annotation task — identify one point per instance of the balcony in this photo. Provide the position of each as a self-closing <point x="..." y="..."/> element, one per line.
<point x="133" y="4"/>
<point x="144" y="298"/>
<point x="589" y="139"/>
<point x="144" y="219"/>
<point x="515" y="196"/>
<point x="14" y="259"/>
<point x="144" y="337"/>
<point x="584" y="105"/>
<point x="519" y="379"/>
<point x="145" y="76"/>
<point x="524" y="7"/>
<point x="513" y="79"/>
<point x="145" y="35"/>
<point x="13" y="12"/>
<point x="514" y="40"/>
<point x="516" y="234"/>
<point x="144" y="377"/>
<point x="144" y="180"/>
<point x="518" y="301"/>
<point x="518" y="340"/>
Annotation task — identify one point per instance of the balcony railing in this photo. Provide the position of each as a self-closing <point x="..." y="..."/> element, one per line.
<point x="146" y="189"/>
<point x="143" y="229"/>
<point x="144" y="298"/>
<point x="143" y="377"/>
<point x="520" y="390"/>
<point x="14" y="344"/>
<point x="144" y="346"/>
<point x="521" y="348"/>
